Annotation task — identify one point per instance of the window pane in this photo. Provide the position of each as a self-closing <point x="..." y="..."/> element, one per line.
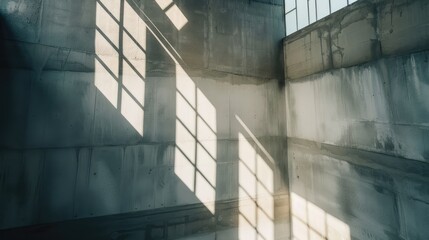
<point x="291" y="22"/>
<point x="322" y="8"/>
<point x="337" y="5"/>
<point x="302" y="14"/>
<point x="312" y="9"/>
<point x="289" y="5"/>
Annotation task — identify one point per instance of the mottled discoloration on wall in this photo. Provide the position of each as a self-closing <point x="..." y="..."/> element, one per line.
<point x="357" y="34"/>
<point x="380" y="107"/>
<point x="358" y="129"/>
<point x="377" y="196"/>
<point x="167" y="223"/>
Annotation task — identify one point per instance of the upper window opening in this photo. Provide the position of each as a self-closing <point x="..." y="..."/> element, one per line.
<point x="301" y="13"/>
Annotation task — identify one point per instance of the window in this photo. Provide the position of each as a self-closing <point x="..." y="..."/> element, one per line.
<point x="301" y="13"/>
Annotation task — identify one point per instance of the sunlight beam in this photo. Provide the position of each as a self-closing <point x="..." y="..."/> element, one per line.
<point x="206" y="137"/>
<point x="111" y="80"/>
<point x="186" y="114"/>
<point x="185" y="85"/>
<point x="206" y="164"/>
<point x="205" y="192"/>
<point x="246" y="231"/>
<point x="184" y="169"/>
<point x="108" y="25"/>
<point x="176" y="16"/>
<point x="163" y="4"/>
<point x="256" y="187"/>
<point x="132" y="112"/>
<point x="185" y="141"/>
<point x="255" y="139"/>
<point x="106" y="83"/>
<point x="133" y="83"/>
<point x="246" y="153"/>
<point x="206" y="110"/>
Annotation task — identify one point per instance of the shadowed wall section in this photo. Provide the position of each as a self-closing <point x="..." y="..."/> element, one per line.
<point x="130" y="108"/>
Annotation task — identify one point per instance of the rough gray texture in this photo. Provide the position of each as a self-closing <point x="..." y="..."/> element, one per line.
<point x="358" y="137"/>
<point x="359" y="33"/>
<point x="167" y="223"/>
<point x="377" y="196"/>
<point x="69" y="150"/>
<point x="380" y="107"/>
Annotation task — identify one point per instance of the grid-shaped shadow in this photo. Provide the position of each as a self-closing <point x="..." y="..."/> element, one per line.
<point x="256" y="188"/>
<point x="195" y="155"/>
<point x="309" y="222"/>
<point x="195" y="135"/>
<point x="120" y="63"/>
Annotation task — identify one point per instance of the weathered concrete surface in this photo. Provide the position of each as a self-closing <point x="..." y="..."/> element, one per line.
<point x="73" y="148"/>
<point x="379" y="107"/>
<point x="47" y="186"/>
<point x="358" y="136"/>
<point x="404" y="27"/>
<point x="311" y="53"/>
<point x="357" y="34"/>
<point x="377" y="196"/>
<point x="167" y="223"/>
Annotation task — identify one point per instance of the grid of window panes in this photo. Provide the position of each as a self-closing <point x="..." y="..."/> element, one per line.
<point x="301" y="13"/>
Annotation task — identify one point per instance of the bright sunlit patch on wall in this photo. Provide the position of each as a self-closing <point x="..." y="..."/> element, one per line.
<point x="207" y="165"/>
<point x="205" y="192"/>
<point x="196" y="138"/>
<point x="186" y="113"/>
<point x="206" y="136"/>
<point x="106" y="83"/>
<point x="206" y="110"/>
<point x="164" y="3"/>
<point x="173" y="13"/>
<point x="105" y="47"/>
<point x="106" y="22"/>
<point x="185" y="141"/>
<point x="132" y="112"/>
<point x="246" y="230"/>
<point x="184" y="169"/>
<point x="256" y="188"/>
<point x="121" y="44"/>
<point x="133" y="82"/>
<point x="185" y="86"/>
<point x="309" y="222"/>
<point x="134" y="24"/>
<point x="176" y="16"/>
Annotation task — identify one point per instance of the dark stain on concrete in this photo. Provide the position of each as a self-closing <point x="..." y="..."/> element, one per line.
<point x="389" y="145"/>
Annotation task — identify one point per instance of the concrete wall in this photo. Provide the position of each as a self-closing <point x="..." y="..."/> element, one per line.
<point x="357" y="122"/>
<point x="95" y="94"/>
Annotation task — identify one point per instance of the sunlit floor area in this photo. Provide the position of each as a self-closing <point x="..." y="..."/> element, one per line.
<point x="214" y="119"/>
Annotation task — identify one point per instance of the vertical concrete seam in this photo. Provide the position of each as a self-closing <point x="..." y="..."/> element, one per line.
<point x="329" y="42"/>
<point x="319" y="35"/>
<point x="42" y="7"/>
<point x="91" y="130"/>
<point x="123" y="206"/>
<point x="39" y="187"/>
<point x="88" y="207"/>
<point x="77" y="151"/>
<point x="402" y="225"/>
